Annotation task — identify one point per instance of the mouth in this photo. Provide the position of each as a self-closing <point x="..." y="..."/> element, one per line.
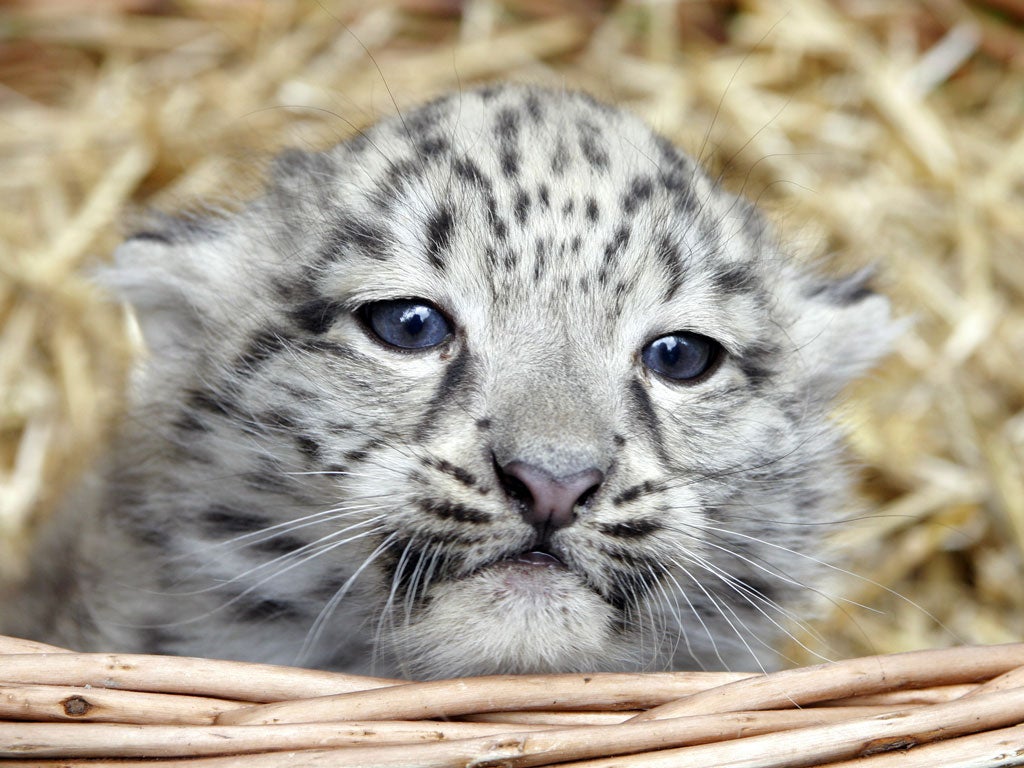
<point x="536" y="558"/>
<point x="536" y="573"/>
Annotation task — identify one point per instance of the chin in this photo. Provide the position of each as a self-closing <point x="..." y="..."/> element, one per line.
<point x="511" y="618"/>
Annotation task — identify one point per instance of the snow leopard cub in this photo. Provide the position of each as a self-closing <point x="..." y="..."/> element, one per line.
<point x="503" y="384"/>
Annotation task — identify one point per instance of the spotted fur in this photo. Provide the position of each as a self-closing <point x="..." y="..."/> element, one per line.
<point x="289" y="489"/>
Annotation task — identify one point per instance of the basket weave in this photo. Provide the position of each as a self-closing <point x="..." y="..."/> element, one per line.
<point x="956" y="707"/>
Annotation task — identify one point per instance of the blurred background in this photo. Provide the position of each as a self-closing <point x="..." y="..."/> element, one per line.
<point x="881" y="132"/>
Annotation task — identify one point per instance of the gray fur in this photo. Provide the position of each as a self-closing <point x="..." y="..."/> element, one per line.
<point x="287" y="489"/>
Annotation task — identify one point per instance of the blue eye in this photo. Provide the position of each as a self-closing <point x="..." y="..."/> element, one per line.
<point x="406" y="323"/>
<point x="682" y="356"/>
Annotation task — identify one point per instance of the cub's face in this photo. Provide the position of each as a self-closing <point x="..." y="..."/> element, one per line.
<point x="503" y="385"/>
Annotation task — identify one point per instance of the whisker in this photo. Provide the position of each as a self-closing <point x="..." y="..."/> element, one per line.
<point x="279" y="529"/>
<point x="838" y="569"/>
<point x="293" y="555"/>
<point x="241" y="595"/>
<point x="722" y="611"/>
<point x="700" y="619"/>
<point x="752" y="597"/>
<point x="320" y="623"/>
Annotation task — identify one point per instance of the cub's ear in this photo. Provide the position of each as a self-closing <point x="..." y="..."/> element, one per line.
<point x="173" y="272"/>
<point x="842" y="328"/>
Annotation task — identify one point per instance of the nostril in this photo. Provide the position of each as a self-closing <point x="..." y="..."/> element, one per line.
<point x="548" y="501"/>
<point x="516" y="489"/>
<point x="588" y="494"/>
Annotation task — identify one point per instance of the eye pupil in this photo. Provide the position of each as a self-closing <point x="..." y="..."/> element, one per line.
<point x="406" y="323"/>
<point x="669" y="350"/>
<point x="682" y="356"/>
<point x="414" y="320"/>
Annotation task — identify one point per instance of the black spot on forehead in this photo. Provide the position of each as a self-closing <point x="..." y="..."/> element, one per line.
<point x="399" y="174"/>
<point x="560" y="157"/>
<point x="510" y="162"/>
<point x="680" y="189"/>
<point x="619" y="240"/>
<point x="359" y="143"/>
<point x="733" y="279"/>
<point x="421" y="121"/>
<point x="432" y="147"/>
<point x="540" y="251"/>
<point x="640" y="190"/>
<point x="498" y="226"/>
<point x="591" y="141"/>
<point x="522" y="205"/>
<point x="439" y="237"/>
<point x="670" y="157"/>
<point x="506" y="128"/>
<point x="489" y="92"/>
<point x="709" y="232"/>
<point x="670" y="258"/>
<point x="349" y="234"/>
<point x="534" y="108"/>
<point x="468" y="170"/>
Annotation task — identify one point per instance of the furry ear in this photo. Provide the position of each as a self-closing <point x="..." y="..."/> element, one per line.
<point x="842" y="328"/>
<point x="171" y="275"/>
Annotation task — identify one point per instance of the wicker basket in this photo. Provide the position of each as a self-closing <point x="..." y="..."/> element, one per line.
<point x="957" y="707"/>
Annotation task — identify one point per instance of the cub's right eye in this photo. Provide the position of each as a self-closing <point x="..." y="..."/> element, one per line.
<point x="406" y="323"/>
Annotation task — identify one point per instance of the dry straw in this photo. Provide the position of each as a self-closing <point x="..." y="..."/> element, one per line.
<point x="962" y="704"/>
<point x="884" y="133"/>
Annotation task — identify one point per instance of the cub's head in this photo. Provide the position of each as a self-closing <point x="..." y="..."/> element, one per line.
<point x="502" y="384"/>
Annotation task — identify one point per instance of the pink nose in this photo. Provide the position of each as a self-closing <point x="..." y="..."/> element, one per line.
<point x="548" y="502"/>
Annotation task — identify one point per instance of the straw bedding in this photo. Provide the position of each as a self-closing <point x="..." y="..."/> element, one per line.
<point x="874" y="132"/>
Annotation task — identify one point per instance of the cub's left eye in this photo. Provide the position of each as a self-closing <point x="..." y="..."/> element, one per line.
<point x="682" y="356"/>
<point x="406" y="323"/>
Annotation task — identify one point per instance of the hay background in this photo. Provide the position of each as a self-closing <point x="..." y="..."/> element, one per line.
<point x="875" y="131"/>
